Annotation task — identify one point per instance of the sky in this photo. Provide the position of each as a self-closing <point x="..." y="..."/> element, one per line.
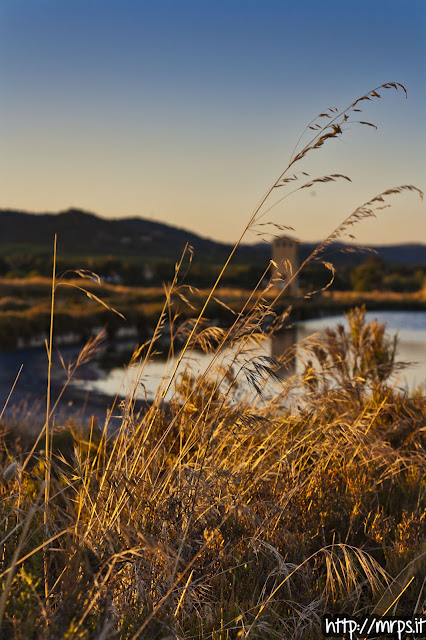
<point x="186" y="111"/>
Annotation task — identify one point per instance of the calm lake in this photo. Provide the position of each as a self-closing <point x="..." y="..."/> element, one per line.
<point x="107" y="375"/>
<point x="410" y="327"/>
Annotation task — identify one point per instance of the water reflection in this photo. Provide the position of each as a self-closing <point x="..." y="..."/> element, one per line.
<point x="283" y="346"/>
<point x="108" y="376"/>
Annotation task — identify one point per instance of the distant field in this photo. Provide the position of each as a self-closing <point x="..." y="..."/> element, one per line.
<point x="25" y="306"/>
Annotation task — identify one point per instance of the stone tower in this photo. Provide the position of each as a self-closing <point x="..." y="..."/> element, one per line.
<point x="285" y="248"/>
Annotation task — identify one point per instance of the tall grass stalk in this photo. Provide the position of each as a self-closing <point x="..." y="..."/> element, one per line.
<point x="48" y="452"/>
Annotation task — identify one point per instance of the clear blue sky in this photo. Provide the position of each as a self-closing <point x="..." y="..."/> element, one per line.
<point x="184" y="111"/>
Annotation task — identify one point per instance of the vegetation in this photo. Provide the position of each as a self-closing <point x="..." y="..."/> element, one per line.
<point x="150" y="260"/>
<point x="375" y="275"/>
<point x="25" y="305"/>
<point x="247" y="505"/>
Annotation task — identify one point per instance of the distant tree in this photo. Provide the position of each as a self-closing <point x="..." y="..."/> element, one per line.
<point x="368" y="276"/>
<point x="403" y="283"/>
<point x="4" y="267"/>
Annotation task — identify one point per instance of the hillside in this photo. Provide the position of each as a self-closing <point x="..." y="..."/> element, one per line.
<point x="403" y="254"/>
<point x="85" y="234"/>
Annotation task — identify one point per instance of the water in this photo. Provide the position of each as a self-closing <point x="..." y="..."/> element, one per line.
<point x="409" y="325"/>
<point x="100" y="380"/>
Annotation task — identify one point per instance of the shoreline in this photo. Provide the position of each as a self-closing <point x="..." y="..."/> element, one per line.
<point x="25" y="334"/>
<point x="27" y="404"/>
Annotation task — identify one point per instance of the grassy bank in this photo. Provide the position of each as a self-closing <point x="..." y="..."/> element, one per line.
<point x="220" y="518"/>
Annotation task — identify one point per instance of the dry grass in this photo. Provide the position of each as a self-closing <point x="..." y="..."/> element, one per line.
<point x="245" y="507"/>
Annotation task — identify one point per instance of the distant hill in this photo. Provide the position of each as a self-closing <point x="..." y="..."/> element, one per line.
<point x="410" y="253"/>
<point x="82" y="233"/>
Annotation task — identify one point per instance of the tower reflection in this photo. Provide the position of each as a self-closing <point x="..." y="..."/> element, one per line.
<point x="284" y="349"/>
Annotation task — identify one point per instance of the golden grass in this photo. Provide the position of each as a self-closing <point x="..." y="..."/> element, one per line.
<point x="246" y="506"/>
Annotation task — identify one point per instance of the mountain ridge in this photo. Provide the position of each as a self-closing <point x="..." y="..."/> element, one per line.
<point x="84" y="232"/>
